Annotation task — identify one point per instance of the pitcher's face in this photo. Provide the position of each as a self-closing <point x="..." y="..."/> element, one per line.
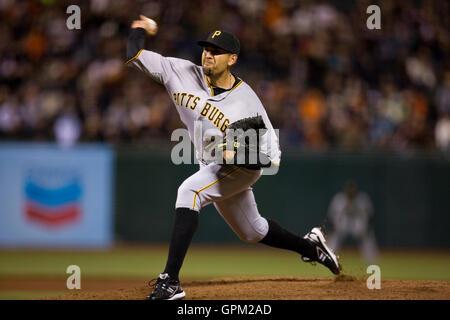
<point x="216" y="61"/>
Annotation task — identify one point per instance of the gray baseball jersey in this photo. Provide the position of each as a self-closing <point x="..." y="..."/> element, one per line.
<point x="194" y="100"/>
<point x="227" y="186"/>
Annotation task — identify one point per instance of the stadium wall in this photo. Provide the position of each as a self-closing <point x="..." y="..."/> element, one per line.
<point x="410" y="194"/>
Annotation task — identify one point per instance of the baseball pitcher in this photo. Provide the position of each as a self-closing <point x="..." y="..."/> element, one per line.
<point x="225" y="106"/>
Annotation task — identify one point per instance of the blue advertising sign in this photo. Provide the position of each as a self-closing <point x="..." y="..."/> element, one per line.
<point x="52" y="196"/>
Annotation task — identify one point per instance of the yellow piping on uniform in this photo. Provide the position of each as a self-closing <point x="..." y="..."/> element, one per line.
<point x="239" y="83"/>
<point x="210" y="87"/>
<point x="211" y="184"/>
<point x="212" y="90"/>
<point x="135" y="57"/>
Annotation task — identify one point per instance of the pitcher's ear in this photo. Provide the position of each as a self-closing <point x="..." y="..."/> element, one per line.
<point x="232" y="60"/>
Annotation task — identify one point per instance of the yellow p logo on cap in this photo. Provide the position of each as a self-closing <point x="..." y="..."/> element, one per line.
<point x="216" y="33"/>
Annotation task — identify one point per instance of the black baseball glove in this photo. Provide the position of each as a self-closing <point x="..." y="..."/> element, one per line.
<point x="243" y="137"/>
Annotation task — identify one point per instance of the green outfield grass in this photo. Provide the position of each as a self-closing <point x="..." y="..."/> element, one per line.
<point x="206" y="262"/>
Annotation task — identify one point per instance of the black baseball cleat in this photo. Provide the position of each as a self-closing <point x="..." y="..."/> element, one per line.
<point x="166" y="289"/>
<point x="324" y="255"/>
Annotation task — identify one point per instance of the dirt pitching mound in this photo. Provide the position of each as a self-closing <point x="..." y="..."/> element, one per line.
<point x="343" y="287"/>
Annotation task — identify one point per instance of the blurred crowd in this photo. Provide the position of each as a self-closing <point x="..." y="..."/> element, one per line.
<point x="326" y="80"/>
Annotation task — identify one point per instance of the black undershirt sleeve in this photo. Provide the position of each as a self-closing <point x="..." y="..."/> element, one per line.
<point x="136" y="42"/>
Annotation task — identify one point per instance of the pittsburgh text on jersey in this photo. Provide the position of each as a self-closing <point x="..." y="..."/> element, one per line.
<point x="213" y="113"/>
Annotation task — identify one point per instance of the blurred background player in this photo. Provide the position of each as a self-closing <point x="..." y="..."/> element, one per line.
<point x="349" y="213"/>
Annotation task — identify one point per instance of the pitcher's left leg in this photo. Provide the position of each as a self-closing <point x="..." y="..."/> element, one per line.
<point x="241" y="213"/>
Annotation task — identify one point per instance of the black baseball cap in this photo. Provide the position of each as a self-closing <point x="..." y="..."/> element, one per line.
<point x="222" y="39"/>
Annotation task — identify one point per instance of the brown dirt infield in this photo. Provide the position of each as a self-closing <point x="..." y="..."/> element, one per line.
<point x="259" y="288"/>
